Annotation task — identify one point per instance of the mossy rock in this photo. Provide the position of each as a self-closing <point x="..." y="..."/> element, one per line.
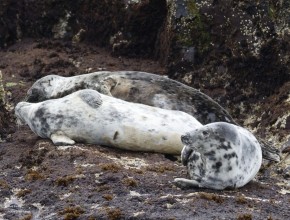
<point x="5" y="116"/>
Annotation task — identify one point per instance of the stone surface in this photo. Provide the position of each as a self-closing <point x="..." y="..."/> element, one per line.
<point x="102" y="23"/>
<point x="6" y="120"/>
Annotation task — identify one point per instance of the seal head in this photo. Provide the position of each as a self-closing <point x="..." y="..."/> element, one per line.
<point x="42" y="89"/>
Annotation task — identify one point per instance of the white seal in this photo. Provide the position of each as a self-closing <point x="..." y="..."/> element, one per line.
<point x="220" y="155"/>
<point x="90" y="117"/>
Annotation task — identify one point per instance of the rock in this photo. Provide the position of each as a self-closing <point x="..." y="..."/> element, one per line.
<point x="183" y="37"/>
<point x="61" y="29"/>
<point x="2" y="91"/>
<point x="79" y="37"/>
<point x="91" y="21"/>
<point x="5" y="121"/>
<point x="222" y="30"/>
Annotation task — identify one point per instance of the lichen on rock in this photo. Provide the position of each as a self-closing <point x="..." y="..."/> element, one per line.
<point x="3" y="111"/>
<point x="2" y="92"/>
<point x="61" y="29"/>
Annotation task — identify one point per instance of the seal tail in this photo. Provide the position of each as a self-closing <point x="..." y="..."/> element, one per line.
<point x="269" y="152"/>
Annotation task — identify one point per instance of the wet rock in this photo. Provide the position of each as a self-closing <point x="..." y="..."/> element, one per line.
<point x="184" y="36"/>
<point x="24" y="72"/>
<point x="79" y="37"/>
<point x="139" y="32"/>
<point x="96" y="22"/>
<point x="5" y="115"/>
<point x="11" y="22"/>
<point x="36" y="72"/>
<point x="226" y="30"/>
<point x="2" y="91"/>
<point x="61" y="29"/>
<point x="5" y="193"/>
<point x="49" y="199"/>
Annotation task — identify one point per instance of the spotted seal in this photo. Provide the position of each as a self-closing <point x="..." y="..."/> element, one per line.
<point x="220" y="155"/>
<point x="90" y="117"/>
<point x="145" y="88"/>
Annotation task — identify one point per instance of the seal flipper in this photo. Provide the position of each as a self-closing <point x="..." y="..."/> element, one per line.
<point x="269" y="152"/>
<point x="185" y="154"/>
<point x="186" y="183"/>
<point x="91" y="97"/>
<point x="107" y="84"/>
<point x="61" y="139"/>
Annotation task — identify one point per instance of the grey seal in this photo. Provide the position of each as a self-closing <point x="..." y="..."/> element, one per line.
<point x="145" y="88"/>
<point x="133" y="86"/>
<point x="219" y="156"/>
<point x="90" y="117"/>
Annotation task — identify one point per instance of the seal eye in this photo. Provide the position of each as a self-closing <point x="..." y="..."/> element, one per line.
<point x="205" y="133"/>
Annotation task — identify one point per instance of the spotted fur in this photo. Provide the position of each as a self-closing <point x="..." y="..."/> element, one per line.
<point x="144" y="88"/>
<point x="133" y="86"/>
<point x="220" y="155"/>
<point x="90" y="117"/>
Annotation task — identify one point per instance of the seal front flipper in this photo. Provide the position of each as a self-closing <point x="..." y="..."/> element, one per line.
<point x="185" y="183"/>
<point x="210" y="184"/>
<point x="186" y="151"/>
<point x="61" y="139"/>
<point x="185" y="154"/>
<point x="91" y="97"/>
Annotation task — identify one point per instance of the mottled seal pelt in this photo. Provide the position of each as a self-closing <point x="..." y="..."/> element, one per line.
<point x="133" y="86"/>
<point x="144" y="88"/>
<point x="220" y="155"/>
<point x="90" y="117"/>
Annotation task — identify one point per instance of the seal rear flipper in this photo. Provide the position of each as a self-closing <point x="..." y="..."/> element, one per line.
<point x="61" y="139"/>
<point x="107" y="84"/>
<point x="185" y="183"/>
<point x="269" y="152"/>
<point x="185" y="154"/>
